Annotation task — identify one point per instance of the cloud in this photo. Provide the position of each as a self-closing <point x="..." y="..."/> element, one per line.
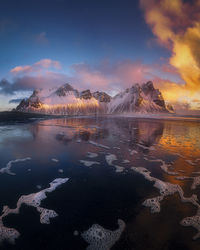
<point x="36" y="67"/>
<point x="29" y="83"/>
<point x="176" y="25"/>
<point x="16" y="101"/>
<point x="6" y="24"/>
<point x="168" y="68"/>
<point x="6" y="87"/>
<point x="108" y="76"/>
<point x="41" y="38"/>
<point x="105" y="76"/>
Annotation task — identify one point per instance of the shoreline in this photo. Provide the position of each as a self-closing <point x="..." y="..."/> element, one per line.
<point x="24" y="117"/>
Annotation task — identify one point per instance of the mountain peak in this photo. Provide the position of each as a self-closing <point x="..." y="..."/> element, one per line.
<point x="86" y="94"/>
<point x="148" y="87"/>
<point x="62" y="91"/>
<point x="101" y="96"/>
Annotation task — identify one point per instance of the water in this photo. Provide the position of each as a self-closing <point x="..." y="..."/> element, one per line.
<point x="101" y="193"/>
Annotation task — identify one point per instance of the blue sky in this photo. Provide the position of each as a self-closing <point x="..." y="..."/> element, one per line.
<point x="73" y="32"/>
<point x="87" y="33"/>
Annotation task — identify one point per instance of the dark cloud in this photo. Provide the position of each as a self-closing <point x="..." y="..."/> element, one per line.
<point x="18" y="84"/>
<point x="28" y="83"/>
<point x="6" y="87"/>
<point x="15" y="100"/>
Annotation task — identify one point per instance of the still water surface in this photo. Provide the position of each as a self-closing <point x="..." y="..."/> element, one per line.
<point x="101" y="193"/>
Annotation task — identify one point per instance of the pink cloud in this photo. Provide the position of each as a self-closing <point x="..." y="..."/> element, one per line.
<point x="36" y="67"/>
<point x="22" y="69"/>
<point x="47" y="63"/>
<point x="107" y="76"/>
<point x="86" y="76"/>
<point x="169" y="69"/>
<point x="112" y="77"/>
<point x="130" y="72"/>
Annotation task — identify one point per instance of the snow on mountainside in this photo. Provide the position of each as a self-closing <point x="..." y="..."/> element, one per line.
<point x="144" y="98"/>
<point x="65" y="100"/>
<point x="69" y="101"/>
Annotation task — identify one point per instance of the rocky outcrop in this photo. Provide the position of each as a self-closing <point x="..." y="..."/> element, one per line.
<point x="101" y="96"/>
<point x="86" y="94"/>
<point x="154" y="94"/>
<point x="170" y="108"/>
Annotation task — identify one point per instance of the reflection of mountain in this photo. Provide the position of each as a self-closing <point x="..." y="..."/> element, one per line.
<point x="82" y="130"/>
<point x="126" y="138"/>
<point x="67" y="130"/>
<point x="150" y="132"/>
<point x="138" y="131"/>
<point x="133" y="132"/>
<point x="68" y="101"/>
<point x="63" y="138"/>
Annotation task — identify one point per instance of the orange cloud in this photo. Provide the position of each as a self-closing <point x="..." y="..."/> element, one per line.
<point x="38" y="66"/>
<point x="176" y="25"/>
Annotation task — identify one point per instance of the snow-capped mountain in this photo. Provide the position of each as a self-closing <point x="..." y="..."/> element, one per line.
<point x="69" y="101"/>
<point x="63" y="100"/>
<point x="144" y="98"/>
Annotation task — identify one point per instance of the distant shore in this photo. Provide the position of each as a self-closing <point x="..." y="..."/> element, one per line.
<point x="24" y="117"/>
<point x="21" y="117"/>
<point x="161" y="116"/>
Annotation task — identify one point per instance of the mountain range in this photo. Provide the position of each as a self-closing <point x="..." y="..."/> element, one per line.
<point x="66" y="100"/>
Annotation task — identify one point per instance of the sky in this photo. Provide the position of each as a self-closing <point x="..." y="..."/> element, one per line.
<point x="100" y="45"/>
